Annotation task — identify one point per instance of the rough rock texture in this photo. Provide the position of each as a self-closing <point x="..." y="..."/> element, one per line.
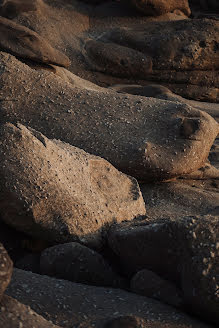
<point x="148" y="283"/>
<point x="147" y="138"/>
<point x="17" y="315"/>
<point x="184" y="54"/>
<point x="185" y="251"/>
<point x="58" y="192"/>
<point x="25" y="43"/>
<point x="70" y="305"/>
<point x="77" y="263"/>
<point x="160" y="7"/>
<point x="6" y="267"/>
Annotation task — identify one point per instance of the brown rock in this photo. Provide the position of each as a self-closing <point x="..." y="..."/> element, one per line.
<point x="75" y="262"/>
<point x="25" y="43"/>
<point x="148" y="283"/>
<point x="57" y="192"/>
<point x="15" y="314"/>
<point x="12" y="8"/>
<point x="147" y="138"/>
<point x="69" y="304"/>
<point x="6" y="267"/>
<point x="160" y="7"/>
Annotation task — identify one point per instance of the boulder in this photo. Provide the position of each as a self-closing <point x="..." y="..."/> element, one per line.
<point x="148" y="283"/>
<point x="75" y="262"/>
<point x="12" y="8"/>
<point x="160" y="7"/>
<point x="149" y="139"/>
<point x="6" y="267"/>
<point x="27" y="44"/>
<point x="183" y="250"/>
<point x="15" y="314"/>
<point x="59" y="193"/>
<point x="71" y="304"/>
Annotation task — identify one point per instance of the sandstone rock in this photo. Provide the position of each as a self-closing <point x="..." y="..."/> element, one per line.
<point x="184" y="251"/>
<point x="6" y="267"/>
<point x="148" y="283"/>
<point x="15" y="314"/>
<point x="69" y="304"/>
<point x="147" y="138"/>
<point x="25" y="43"/>
<point x="75" y="262"/>
<point x="12" y="8"/>
<point x="59" y="193"/>
<point x="160" y="7"/>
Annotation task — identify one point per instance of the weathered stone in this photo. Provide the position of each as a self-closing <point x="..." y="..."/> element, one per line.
<point x="6" y="267"/>
<point x="75" y="262"/>
<point x="69" y="304"/>
<point x="25" y="43"/>
<point x="149" y="139"/>
<point x="57" y="192"/>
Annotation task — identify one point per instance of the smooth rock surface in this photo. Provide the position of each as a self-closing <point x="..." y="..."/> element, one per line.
<point x="57" y="192"/>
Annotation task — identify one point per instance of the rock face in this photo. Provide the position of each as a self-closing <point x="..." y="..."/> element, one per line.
<point x="147" y="283"/>
<point x="58" y="192"/>
<point x="185" y="251"/>
<point x="77" y="263"/>
<point x="182" y="53"/>
<point x="6" y="267"/>
<point x="25" y="43"/>
<point x="160" y="7"/>
<point x="69" y="304"/>
<point x="149" y="139"/>
<point x="15" y="314"/>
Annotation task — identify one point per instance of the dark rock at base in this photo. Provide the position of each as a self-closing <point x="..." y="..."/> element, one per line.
<point x="29" y="262"/>
<point x="14" y="314"/>
<point x="148" y="283"/>
<point x="75" y="262"/>
<point x="70" y="304"/>
<point x="6" y="267"/>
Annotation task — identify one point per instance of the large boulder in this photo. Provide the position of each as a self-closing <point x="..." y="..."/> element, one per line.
<point x="160" y="7"/>
<point x="25" y="43"/>
<point x="70" y="304"/>
<point x="183" y="250"/>
<point x="60" y="193"/>
<point x="75" y="262"/>
<point x="149" y="139"/>
<point x="6" y="267"/>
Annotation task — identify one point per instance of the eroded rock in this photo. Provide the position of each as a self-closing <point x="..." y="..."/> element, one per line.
<point x="6" y="267"/>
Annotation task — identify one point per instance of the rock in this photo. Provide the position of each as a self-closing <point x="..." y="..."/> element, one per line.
<point x="149" y="139"/>
<point x="29" y="262"/>
<point x="25" y="43"/>
<point x="160" y="7"/>
<point x="12" y="8"/>
<point x="75" y="262"/>
<point x="148" y="283"/>
<point x="183" y="250"/>
<point x="15" y="314"/>
<point x="6" y="267"/>
<point x="59" y="193"/>
<point x="206" y="4"/>
<point x="70" y="304"/>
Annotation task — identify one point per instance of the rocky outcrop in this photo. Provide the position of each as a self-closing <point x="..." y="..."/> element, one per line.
<point x="60" y="193"/>
<point x="6" y="267"/>
<point x="149" y="139"/>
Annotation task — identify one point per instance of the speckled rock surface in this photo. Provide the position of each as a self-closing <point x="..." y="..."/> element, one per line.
<point x="17" y="315"/>
<point x="6" y="267"/>
<point x="149" y="139"/>
<point x="69" y="304"/>
<point x="60" y="193"/>
<point x="77" y="263"/>
<point x="25" y="43"/>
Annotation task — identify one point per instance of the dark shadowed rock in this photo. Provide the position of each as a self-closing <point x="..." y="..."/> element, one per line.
<point x="12" y="8"/>
<point x="71" y="305"/>
<point x="25" y="43"/>
<point x="149" y="139"/>
<point x="6" y="267"/>
<point x="29" y="262"/>
<point x="17" y="315"/>
<point x="57" y="192"/>
<point x="160" y="7"/>
<point x="148" y="283"/>
<point x="77" y="263"/>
